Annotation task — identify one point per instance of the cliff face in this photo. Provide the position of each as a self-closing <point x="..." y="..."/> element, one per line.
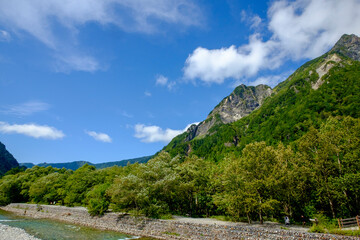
<point x="240" y="103"/>
<point x="348" y="45"/>
<point x="7" y="160"/>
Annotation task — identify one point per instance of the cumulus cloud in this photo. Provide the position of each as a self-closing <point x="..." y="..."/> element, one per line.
<point x="299" y="30"/>
<point x="25" y="109"/>
<point x="98" y="136"/>
<point x="214" y="66"/>
<point x="152" y="133"/>
<point x="32" y="130"/>
<point x="42" y="18"/>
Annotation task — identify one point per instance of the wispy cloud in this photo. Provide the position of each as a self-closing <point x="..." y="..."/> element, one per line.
<point x="126" y="114"/>
<point x="98" y="136"/>
<point x="77" y="62"/>
<point x="41" y="18"/>
<point x="153" y="133"/>
<point x="32" y="130"/>
<point x="5" y="36"/>
<point x="147" y="94"/>
<point x="270" y="80"/>
<point x="299" y="30"/>
<point x="25" y="109"/>
<point x="161" y="80"/>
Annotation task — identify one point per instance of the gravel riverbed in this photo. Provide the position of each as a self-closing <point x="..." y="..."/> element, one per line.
<point x="179" y="228"/>
<point x="14" y="233"/>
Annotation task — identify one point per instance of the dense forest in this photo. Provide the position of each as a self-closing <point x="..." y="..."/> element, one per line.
<point x="320" y="172"/>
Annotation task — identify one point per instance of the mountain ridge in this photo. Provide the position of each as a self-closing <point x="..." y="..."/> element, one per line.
<point x="302" y="101"/>
<point x="77" y="164"/>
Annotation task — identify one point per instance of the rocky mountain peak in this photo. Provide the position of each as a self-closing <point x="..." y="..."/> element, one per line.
<point x="348" y="45"/>
<point x="240" y="103"/>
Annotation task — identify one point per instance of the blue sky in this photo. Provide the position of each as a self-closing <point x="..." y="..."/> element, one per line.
<point x="110" y="80"/>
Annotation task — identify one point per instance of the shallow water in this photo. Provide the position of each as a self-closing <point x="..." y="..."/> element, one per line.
<point x="54" y="230"/>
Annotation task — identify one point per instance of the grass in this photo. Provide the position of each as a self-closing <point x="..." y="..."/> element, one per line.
<point x="223" y="218"/>
<point x="346" y="232"/>
<point x="172" y="233"/>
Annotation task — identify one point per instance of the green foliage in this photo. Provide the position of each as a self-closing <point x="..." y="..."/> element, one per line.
<point x="317" y="173"/>
<point x="98" y="200"/>
<point x="355" y="233"/>
<point x="7" y="160"/>
<point x="317" y="229"/>
<point x="324" y="224"/>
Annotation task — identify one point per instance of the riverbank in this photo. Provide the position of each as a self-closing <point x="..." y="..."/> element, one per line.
<point x="178" y="228"/>
<point x="14" y="233"/>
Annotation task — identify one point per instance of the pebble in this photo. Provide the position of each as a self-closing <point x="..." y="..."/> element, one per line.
<point x="14" y="233"/>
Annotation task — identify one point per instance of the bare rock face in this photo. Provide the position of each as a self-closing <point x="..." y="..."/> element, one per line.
<point x="240" y="103"/>
<point x="348" y="45"/>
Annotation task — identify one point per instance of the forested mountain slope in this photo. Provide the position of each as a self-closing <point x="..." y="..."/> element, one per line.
<point x="77" y="164"/>
<point x="7" y="160"/>
<point x="326" y="86"/>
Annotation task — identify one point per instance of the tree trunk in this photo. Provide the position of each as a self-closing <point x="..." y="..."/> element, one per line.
<point x="261" y="217"/>
<point x="248" y="217"/>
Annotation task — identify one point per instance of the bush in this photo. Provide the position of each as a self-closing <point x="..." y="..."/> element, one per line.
<point x="97" y="207"/>
<point x="317" y="229"/>
<point x="97" y="200"/>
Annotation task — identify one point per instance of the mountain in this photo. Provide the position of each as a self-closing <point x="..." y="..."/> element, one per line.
<point x="7" y="160"/>
<point x="240" y="103"/>
<point x="77" y="164"/>
<point x="326" y="86"/>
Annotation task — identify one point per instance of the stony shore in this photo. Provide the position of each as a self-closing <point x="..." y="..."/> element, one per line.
<point x="14" y="233"/>
<point x="178" y="228"/>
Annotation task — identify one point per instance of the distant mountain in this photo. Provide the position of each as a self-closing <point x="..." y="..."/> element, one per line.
<point x="77" y="164"/>
<point x="7" y="160"/>
<point x="326" y="86"/>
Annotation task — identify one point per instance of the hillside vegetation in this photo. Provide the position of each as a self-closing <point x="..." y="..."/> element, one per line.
<point x="7" y="160"/>
<point x="77" y="164"/>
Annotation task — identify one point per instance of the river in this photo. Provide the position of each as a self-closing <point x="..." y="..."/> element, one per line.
<point x="56" y="230"/>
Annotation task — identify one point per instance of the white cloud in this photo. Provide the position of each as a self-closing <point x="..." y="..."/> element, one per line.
<point x="253" y="20"/>
<point x="147" y="94"/>
<point x="42" y="19"/>
<point x="102" y="137"/>
<point x="77" y="62"/>
<point x="126" y="114"/>
<point x="271" y="80"/>
<point x="161" y="80"/>
<point x="214" y="66"/>
<point x="152" y="133"/>
<point x="306" y="29"/>
<point x="164" y="81"/>
<point x="32" y="130"/>
<point x="25" y="109"/>
<point x="4" y="36"/>
<point x="299" y="30"/>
